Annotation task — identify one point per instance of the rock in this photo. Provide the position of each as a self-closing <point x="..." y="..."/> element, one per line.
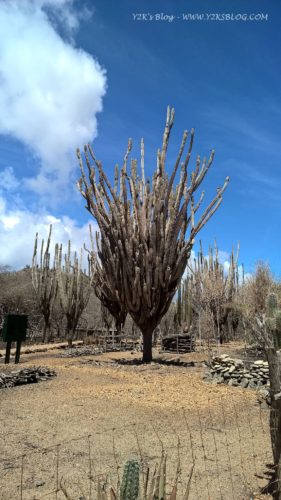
<point x="263" y="394"/>
<point x="238" y="362"/>
<point x="224" y="370"/>
<point x="252" y="384"/>
<point x="39" y="483"/>
<point x="260" y="383"/>
<point x="244" y="382"/>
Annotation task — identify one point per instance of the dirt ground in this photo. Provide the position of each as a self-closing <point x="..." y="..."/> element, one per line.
<point x="84" y="424"/>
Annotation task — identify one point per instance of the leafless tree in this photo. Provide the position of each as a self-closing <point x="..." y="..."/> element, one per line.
<point x="257" y="288"/>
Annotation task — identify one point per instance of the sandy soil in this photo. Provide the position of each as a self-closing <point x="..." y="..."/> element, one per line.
<point x="100" y="413"/>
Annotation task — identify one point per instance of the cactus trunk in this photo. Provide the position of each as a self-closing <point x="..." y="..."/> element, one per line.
<point x="147" y="345"/>
<point x="46" y="330"/>
<point x="70" y="335"/>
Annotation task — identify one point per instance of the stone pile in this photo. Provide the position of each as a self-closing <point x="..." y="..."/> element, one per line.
<point x="226" y="370"/>
<point x="26" y="376"/>
<point x="81" y="351"/>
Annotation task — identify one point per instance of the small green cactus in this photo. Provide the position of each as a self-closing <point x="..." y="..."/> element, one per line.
<point x="130" y="481"/>
<point x="154" y="484"/>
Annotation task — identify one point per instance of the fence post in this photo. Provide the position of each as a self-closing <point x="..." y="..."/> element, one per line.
<point x="274" y="364"/>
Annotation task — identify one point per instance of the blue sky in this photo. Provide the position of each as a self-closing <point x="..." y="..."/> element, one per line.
<point x="222" y="77"/>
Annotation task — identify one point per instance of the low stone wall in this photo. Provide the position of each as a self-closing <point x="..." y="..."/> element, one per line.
<point x="226" y="370"/>
<point x="80" y="351"/>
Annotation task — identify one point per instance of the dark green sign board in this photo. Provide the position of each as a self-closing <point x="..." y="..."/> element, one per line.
<point x="14" y="328"/>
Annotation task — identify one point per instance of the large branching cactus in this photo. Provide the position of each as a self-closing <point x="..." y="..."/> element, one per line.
<point x="74" y="287"/>
<point x="147" y="228"/>
<point x="44" y="282"/>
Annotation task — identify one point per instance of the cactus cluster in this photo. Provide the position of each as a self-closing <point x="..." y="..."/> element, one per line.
<point x="68" y="282"/>
<point x="74" y="287"/>
<point x="212" y="290"/>
<point x="147" y="228"/>
<point x="273" y="319"/>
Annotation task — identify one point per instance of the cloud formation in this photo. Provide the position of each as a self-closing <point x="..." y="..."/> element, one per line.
<point x="18" y="229"/>
<point x="50" y="91"/>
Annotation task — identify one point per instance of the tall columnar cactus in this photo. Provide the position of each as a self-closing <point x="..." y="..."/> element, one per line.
<point x="187" y="305"/>
<point x="74" y="288"/>
<point x="147" y="229"/>
<point x="179" y="306"/>
<point x="44" y="282"/>
<point x="273" y="319"/>
<point x="184" y="305"/>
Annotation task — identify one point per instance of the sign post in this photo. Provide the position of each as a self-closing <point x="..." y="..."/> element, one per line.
<point x="14" y="330"/>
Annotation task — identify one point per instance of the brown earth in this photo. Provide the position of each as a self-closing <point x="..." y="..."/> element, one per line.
<point x="101" y="414"/>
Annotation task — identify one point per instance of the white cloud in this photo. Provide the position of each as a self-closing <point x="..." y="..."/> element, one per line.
<point x="50" y="91"/>
<point x="226" y="266"/>
<point x="223" y="256"/>
<point x="9" y="221"/>
<point x="19" y="227"/>
<point x="8" y="180"/>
